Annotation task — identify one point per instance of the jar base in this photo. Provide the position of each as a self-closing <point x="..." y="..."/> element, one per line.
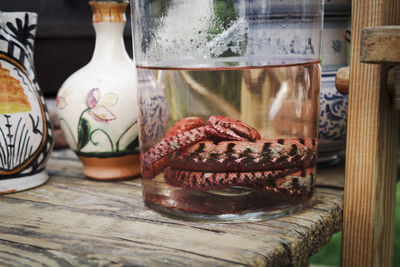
<point x="112" y="168"/>
<point x="228" y="218"/>
<point x="23" y="183"/>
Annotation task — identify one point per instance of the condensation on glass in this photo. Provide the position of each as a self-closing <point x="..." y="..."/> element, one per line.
<point x="228" y="106"/>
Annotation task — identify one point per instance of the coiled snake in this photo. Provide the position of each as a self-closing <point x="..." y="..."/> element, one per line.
<point x="225" y="153"/>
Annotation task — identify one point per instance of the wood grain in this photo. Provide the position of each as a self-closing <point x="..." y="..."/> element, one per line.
<point x="380" y="44"/>
<point x="371" y="149"/>
<point x="80" y="222"/>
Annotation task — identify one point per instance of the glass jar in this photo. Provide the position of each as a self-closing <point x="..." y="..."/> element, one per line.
<point x="228" y="94"/>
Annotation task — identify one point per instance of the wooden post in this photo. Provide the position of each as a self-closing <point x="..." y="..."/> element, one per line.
<point x="369" y="201"/>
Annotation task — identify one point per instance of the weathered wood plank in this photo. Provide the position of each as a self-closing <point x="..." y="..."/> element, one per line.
<point x="372" y="133"/>
<point x="380" y="44"/>
<point x="62" y="228"/>
<point x="76" y="221"/>
<point x="80" y="234"/>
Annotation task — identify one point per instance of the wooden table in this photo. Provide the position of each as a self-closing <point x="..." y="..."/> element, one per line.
<point x="72" y="220"/>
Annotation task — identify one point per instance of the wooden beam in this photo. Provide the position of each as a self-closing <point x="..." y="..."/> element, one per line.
<point x="372" y="132"/>
<point x="380" y="44"/>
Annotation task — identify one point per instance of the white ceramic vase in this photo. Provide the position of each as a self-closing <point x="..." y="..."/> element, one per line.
<point x="25" y="130"/>
<point x="96" y="105"/>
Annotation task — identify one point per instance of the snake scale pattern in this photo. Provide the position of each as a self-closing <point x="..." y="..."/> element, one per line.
<point x="227" y="153"/>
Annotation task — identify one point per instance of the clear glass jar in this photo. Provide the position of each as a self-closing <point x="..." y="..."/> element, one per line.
<point x="228" y="94"/>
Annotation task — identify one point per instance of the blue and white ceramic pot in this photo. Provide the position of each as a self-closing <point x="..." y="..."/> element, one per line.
<point x="333" y="105"/>
<point x="332" y="122"/>
<point x="25" y="130"/>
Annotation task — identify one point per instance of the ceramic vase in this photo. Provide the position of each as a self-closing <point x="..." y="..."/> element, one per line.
<point x="25" y="129"/>
<point x="333" y="105"/>
<point x="97" y="105"/>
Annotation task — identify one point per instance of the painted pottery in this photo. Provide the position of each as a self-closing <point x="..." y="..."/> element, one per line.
<point x="25" y="130"/>
<point x="332" y="122"/>
<point x="96" y="105"/>
<point x="333" y="105"/>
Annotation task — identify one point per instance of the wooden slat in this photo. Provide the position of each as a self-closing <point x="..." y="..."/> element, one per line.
<point x="76" y="221"/>
<point x="371" y="149"/>
<point x="380" y="44"/>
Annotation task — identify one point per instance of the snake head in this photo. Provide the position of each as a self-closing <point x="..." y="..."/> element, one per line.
<point x="227" y="128"/>
<point x="184" y="125"/>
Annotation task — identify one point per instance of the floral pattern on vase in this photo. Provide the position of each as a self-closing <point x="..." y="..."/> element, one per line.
<point x="153" y="108"/>
<point x="98" y="110"/>
<point x="333" y="116"/>
<point x="97" y="104"/>
<point x="25" y="129"/>
<point x="333" y="105"/>
<point x="332" y="122"/>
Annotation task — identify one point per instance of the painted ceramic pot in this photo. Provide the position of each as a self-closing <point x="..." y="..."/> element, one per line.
<point x="25" y="130"/>
<point x="96" y="105"/>
<point x="335" y="49"/>
<point x="153" y="105"/>
<point x="332" y="122"/>
<point x="333" y="105"/>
